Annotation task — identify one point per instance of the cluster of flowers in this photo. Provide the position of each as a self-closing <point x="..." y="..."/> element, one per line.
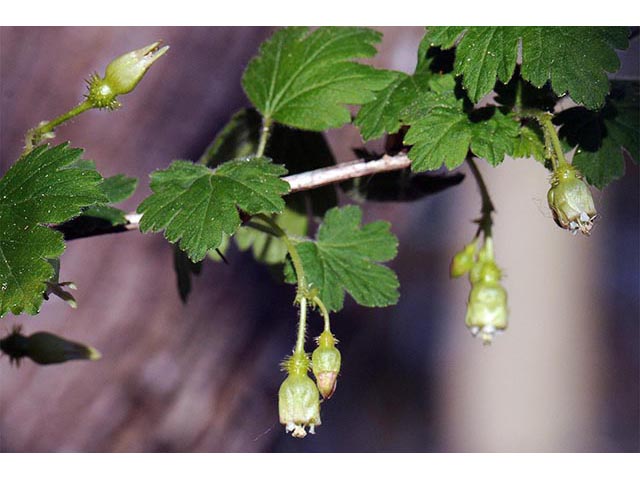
<point x="299" y="395"/>
<point x="487" y="307"/>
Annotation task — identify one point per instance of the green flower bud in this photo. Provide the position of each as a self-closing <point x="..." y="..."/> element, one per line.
<point x="485" y="267"/>
<point x="122" y="75"/>
<point x="487" y="310"/>
<point x="463" y="261"/>
<point x="570" y="201"/>
<point x="298" y="398"/>
<point x="45" y="348"/>
<point x="326" y="364"/>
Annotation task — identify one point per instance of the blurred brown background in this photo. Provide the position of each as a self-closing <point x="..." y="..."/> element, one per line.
<point x="204" y="377"/>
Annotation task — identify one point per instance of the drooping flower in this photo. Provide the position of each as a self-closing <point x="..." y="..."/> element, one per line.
<point x="298" y="397"/>
<point x="487" y="310"/>
<point x="570" y="200"/>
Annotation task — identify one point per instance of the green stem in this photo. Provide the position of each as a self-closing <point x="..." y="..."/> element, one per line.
<point x="262" y="228"/>
<point x="302" y="290"/>
<point x="34" y="135"/>
<point x="264" y="136"/>
<point x="550" y="136"/>
<point x="293" y="253"/>
<point x="302" y="326"/>
<point x="485" y="223"/>
<point x="325" y="313"/>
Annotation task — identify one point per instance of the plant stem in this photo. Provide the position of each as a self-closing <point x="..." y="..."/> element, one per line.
<point x="302" y="326"/>
<point x="264" y="136"/>
<point x="550" y="136"/>
<point x="486" y="222"/>
<point x="325" y="313"/>
<point x="302" y="289"/>
<point x="293" y="253"/>
<point x="346" y="171"/>
<point x="34" y="135"/>
<point x="261" y="228"/>
<point x="298" y="183"/>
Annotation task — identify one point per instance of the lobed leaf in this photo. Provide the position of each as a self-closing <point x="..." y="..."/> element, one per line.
<point x="345" y="258"/>
<point x="602" y="136"/>
<point x="574" y="59"/>
<point x="442" y="132"/>
<point x="195" y="205"/>
<point x="305" y="79"/>
<point x="43" y="187"/>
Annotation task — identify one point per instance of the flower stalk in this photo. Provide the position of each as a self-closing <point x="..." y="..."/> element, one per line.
<point x="487" y="304"/>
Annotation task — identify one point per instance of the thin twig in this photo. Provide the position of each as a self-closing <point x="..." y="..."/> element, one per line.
<point x="485" y="223"/>
<point x="300" y="182"/>
<point x="346" y="171"/>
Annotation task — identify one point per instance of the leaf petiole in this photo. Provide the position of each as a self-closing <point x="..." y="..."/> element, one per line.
<point x="264" y="136"/>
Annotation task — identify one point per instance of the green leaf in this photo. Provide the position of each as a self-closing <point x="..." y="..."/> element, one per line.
<point x="494" y="137"/>
<point x="602" y="136"/>
<point x="304" y="79"/>
<point x="118" y="187"/>
<point x="575" y="59"/>
<point x="195" y="205"/>
<point x="386" y="114"/>
<point x="484" y="54"/>
<point x="442" y="132"/>
<point x="442" y="136"/>
<point x="345" y="256"/>
<point x="381" y="115"/>
<point x="298" y="151"/>
<point x="99" y="214"/>
<point x="41" y="188"/>
<point x="530" y="143"/>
